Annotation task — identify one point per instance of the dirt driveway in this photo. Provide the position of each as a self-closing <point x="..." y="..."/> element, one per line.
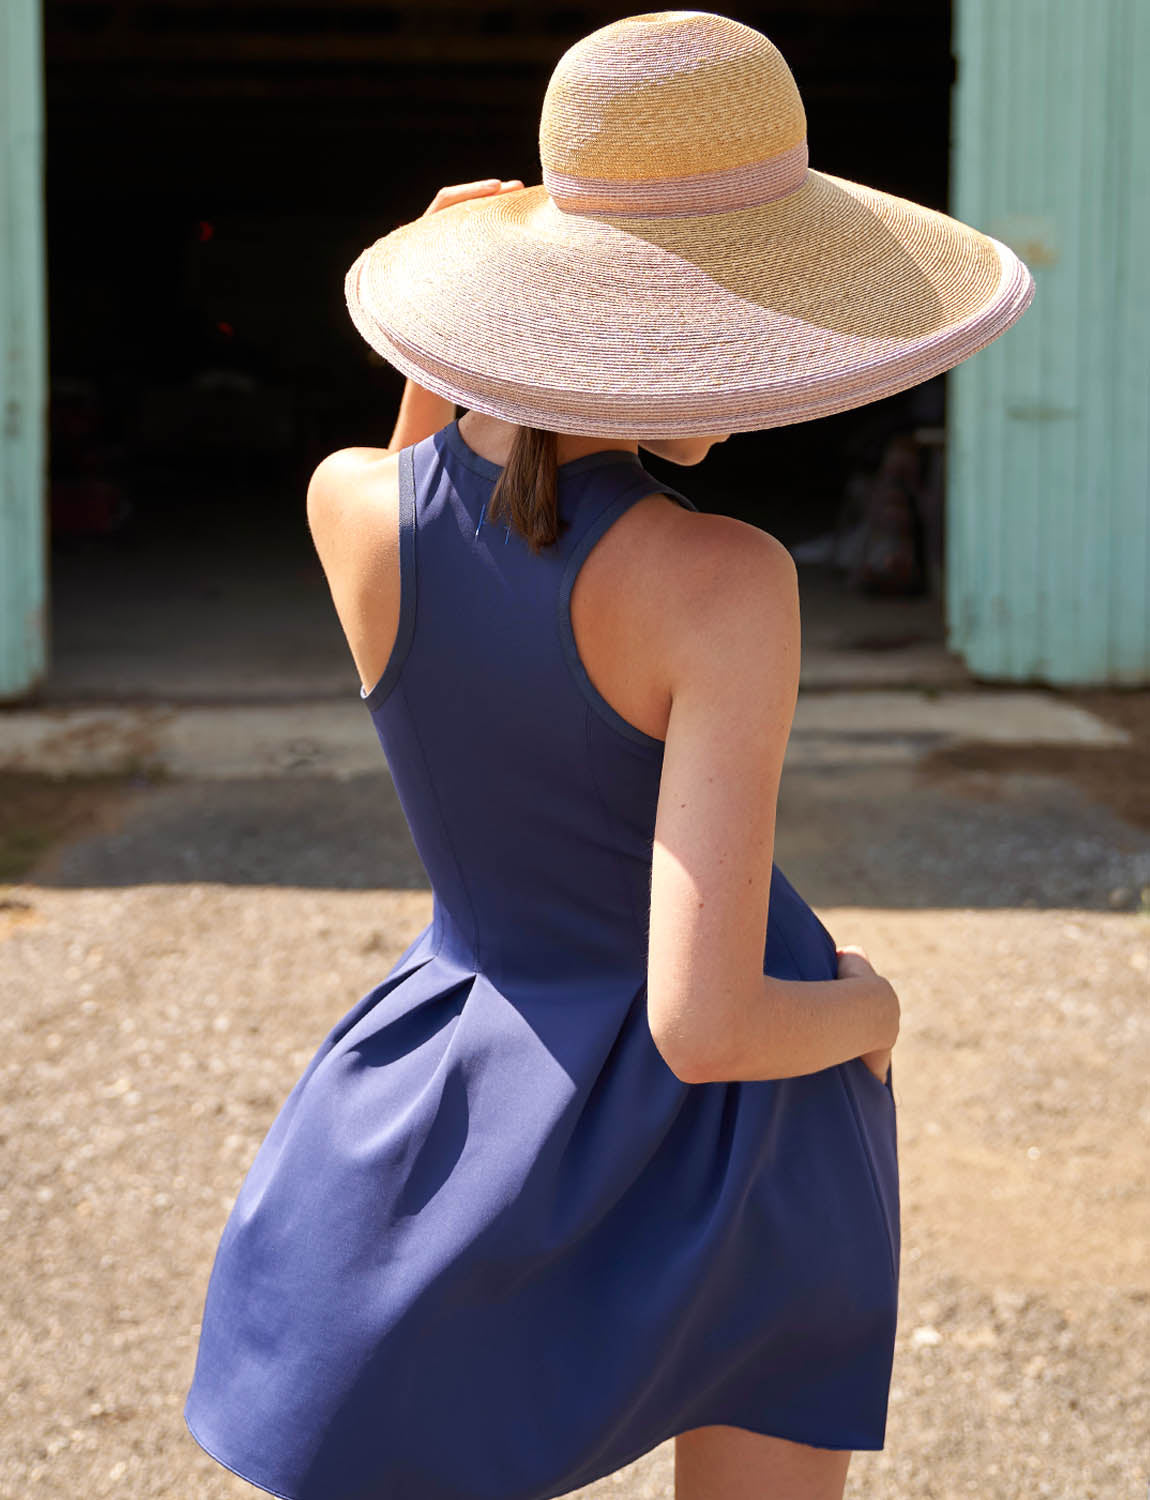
<point x="172" y="951"/>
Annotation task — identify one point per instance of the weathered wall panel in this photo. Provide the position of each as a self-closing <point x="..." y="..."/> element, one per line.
<point x="23" y="398"/>
<point x="1048" y="461"/>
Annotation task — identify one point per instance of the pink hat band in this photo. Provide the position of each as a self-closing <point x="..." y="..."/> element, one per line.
<point x="722" y="191"/>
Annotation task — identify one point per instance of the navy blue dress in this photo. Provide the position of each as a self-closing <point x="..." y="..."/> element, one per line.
<point x="492" y="1248"/>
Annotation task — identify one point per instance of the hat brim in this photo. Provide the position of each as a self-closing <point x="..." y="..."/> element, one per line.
<point x="603" y="325"/>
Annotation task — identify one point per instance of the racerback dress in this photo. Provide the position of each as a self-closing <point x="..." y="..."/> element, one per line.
<point x="492" y="1247"/>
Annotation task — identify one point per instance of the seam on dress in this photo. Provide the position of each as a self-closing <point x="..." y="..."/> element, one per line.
<point x="449" y="843"/>
<point x="604" y="811"/>
<point x="436" y="944"/>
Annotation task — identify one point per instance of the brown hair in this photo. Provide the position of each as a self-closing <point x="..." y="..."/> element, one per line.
<point x="525" y="496"/>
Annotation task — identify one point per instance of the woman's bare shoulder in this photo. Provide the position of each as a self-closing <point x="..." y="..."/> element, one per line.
<point x="352" y="498"/>
<point x="345" y="476"/>
<point x="713" y="568"/>
<point x="353" y="516"/>
<point x="701" y="541"/>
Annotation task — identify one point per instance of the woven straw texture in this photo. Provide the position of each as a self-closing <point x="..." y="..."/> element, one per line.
<point x="681" y="269"/>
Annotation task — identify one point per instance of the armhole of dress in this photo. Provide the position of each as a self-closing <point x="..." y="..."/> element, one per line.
<point x="406" y="628"/>
<point x="603" y="522"/>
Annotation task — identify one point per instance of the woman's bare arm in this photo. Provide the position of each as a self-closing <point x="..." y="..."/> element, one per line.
<point x="734" y="671"/>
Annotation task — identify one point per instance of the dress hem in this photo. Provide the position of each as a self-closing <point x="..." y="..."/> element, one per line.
<point x="854" y="1447"/>
<point x="231" y="1468"/>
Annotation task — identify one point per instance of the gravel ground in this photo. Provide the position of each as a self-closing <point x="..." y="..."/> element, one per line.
<point x="176" y="952"/>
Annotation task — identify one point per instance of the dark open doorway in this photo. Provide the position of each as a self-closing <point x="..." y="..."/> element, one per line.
<point x="214" y="167"/>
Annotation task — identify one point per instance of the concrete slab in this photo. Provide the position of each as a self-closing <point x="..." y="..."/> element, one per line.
<point x="884" y="727"/>
<point x="920" y="666"/>
<point x="338" y="739"/>
<point x="298" y="739"/>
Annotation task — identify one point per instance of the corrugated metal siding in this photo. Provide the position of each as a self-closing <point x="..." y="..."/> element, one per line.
<point x="23" y="398"/>
<point x="1048" y="456"/>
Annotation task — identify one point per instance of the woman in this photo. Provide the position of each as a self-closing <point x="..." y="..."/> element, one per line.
<point x="610" y="1155"/>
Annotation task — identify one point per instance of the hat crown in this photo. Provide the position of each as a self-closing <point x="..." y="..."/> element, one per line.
<point x="673" y="111"/>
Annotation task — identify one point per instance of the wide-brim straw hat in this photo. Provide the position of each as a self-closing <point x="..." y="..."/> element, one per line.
<point x="680" y="270"/>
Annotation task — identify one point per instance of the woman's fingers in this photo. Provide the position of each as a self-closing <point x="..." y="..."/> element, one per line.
<point x="460" y="191"/>
<point x="855" y="948"/>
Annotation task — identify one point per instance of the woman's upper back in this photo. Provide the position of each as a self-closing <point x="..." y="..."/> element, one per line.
<point x="530" y="723"/>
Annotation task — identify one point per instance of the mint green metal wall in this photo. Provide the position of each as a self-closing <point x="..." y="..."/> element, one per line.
<point x="23" y="400"/>
<point x="1048" y="457"/>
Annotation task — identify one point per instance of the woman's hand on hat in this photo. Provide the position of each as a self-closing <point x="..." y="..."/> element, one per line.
<point x="461" y="191"/>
